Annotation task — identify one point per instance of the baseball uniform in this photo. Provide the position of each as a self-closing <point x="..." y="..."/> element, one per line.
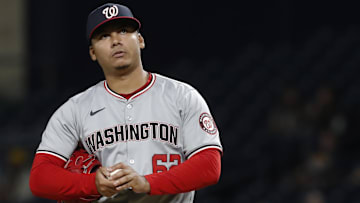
<point x="160" y="126"/>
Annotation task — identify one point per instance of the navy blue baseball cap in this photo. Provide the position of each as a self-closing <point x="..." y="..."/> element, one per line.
<point x="109" y="12"/>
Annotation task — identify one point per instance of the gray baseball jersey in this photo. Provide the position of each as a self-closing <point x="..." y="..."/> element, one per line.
<point x="159" y="127"/>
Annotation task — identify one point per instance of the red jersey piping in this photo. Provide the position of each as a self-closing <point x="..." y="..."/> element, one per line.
<point x="137" y="93"/>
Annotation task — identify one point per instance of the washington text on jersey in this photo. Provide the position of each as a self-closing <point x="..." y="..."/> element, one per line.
<point x="135" y="132"/>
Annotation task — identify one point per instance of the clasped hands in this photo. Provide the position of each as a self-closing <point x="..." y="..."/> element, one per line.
<point x="125" y="178"/>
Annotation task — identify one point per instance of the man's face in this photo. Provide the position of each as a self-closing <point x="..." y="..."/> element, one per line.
<point x="116" y="45"/>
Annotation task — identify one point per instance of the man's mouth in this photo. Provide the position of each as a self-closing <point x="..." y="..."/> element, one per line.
<point x="118" y="54"/>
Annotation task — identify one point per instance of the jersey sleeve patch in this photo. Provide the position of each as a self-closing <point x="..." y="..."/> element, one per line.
<point x="207" y="124"/>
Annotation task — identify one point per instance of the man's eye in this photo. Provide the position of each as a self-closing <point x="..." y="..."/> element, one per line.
<point x="104" y="36"/>
<point x="123" y="31"/>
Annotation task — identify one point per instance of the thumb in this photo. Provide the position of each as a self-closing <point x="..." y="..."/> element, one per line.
<point x="104" y="171"/>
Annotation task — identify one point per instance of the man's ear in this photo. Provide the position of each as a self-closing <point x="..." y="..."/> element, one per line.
<point x="92" y="53"/>
<point x="141" y="41"/>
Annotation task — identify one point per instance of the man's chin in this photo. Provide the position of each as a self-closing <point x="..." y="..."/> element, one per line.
<point x="122" y="67"/>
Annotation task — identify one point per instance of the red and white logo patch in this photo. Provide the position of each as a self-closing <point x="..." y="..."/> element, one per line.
<point x="207" y="123"/>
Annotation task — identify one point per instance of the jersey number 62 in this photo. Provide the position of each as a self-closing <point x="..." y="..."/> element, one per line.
<point x="164" y="162"/>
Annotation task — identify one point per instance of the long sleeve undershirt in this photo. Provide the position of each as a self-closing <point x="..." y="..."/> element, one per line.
<point x="48" y="178"/>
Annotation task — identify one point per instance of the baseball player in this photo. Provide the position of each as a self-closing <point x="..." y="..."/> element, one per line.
<point x="154" y="136"/>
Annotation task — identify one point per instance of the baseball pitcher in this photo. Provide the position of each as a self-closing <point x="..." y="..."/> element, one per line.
<point x="135" y="137"/>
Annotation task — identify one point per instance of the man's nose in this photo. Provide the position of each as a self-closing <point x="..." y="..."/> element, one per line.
<point x="116" y="39"/>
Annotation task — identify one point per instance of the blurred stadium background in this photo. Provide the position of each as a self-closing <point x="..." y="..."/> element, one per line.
<point x="281" y="79"/>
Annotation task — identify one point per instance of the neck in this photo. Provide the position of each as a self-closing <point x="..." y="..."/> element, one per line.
<point x="128" y="82"/>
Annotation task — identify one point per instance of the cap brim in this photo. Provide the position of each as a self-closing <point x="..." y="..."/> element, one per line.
<point x="136" y="23"/>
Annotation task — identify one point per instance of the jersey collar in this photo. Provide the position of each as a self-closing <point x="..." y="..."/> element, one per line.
<point x="137" y="93"/>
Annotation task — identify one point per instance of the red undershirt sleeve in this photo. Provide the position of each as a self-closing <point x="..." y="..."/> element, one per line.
<point x="48" y="179"/>
<point x="201" y="170"/>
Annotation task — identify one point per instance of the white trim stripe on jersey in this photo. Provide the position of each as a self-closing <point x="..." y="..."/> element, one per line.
<point x="153" y="78"/>
<point x="53" y="154"/>
<point x="203" y="148"/>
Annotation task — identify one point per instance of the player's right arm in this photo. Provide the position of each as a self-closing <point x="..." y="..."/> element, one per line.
<point x="48" y="178"/>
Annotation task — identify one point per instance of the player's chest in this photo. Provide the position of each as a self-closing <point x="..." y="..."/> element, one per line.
<point x="131" y="112"/>
<point x="132" y="121"/>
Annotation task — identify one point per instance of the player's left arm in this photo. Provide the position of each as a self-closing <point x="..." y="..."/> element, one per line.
<point x="201" y="170"/>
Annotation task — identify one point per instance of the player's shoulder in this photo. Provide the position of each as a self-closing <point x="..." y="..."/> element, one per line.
<point x="85" y="97"/>
<point x="169" y="83"/>
<point x="181" y="92"/>
<point x="78" y="102"/>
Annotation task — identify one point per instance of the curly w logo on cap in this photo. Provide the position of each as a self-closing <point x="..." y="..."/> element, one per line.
<point x="110" y="12"/>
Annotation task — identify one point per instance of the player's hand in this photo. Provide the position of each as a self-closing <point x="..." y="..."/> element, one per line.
<point x="128" y="178"/>
<point x="104" y="186"/>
